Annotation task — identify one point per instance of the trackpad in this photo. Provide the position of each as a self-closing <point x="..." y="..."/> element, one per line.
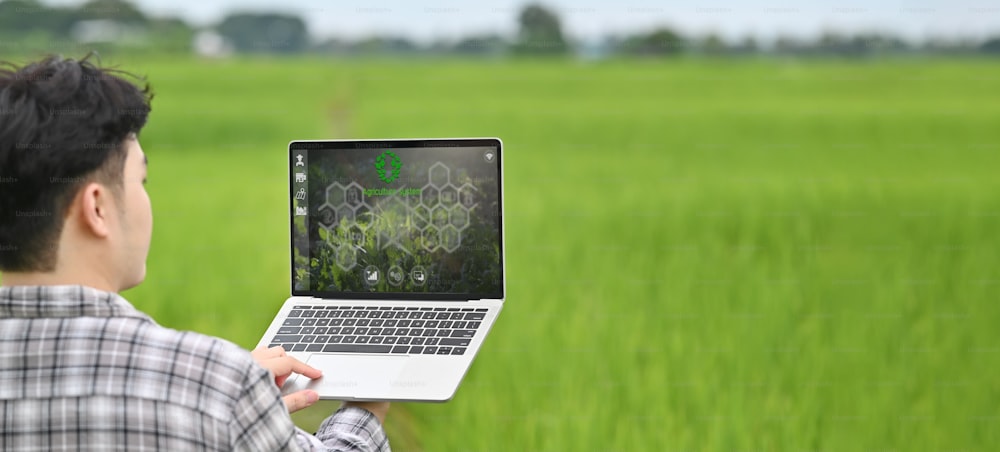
<point x="353" y="376"/>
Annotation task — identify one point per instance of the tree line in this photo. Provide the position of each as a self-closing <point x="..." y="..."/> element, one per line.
<point x="29" y="25"/>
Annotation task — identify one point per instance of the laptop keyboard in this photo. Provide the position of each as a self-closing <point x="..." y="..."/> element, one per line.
<point x="392" y="330"/>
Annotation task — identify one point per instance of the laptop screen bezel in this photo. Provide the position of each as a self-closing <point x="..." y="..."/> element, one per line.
<point x="299" y="145"/>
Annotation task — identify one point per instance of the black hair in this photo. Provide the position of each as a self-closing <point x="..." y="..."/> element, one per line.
<point x="63" y="123"/>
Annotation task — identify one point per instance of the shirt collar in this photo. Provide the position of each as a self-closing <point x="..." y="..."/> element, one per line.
<point x="63" y="301"/>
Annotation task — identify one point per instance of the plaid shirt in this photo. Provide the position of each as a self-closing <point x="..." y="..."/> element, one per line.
<point x="81" y="369"/>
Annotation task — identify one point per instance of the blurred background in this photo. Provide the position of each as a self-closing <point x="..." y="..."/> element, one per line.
<point x="730" y="225"/>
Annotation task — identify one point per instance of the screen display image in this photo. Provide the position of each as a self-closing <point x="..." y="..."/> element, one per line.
<point x="396" y="217"/>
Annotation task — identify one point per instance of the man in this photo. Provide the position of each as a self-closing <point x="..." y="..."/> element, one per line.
<point x="80" y="368"/>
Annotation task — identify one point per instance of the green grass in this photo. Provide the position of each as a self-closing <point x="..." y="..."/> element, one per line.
<point x="701" y="255"/>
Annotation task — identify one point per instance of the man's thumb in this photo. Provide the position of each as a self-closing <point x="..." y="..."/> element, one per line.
<point x="301" y="399"/>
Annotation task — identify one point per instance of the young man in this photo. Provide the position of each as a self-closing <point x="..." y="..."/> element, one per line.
<point x="80" y="367"/>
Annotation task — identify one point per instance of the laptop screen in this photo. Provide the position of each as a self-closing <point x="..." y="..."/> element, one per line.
<point x="412" y="219"/>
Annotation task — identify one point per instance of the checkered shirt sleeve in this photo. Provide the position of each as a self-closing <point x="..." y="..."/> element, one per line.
<point x="81" y="369"/>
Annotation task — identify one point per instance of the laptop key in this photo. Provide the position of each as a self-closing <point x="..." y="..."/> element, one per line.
<point x="475" y="316"/>
<point x="454" y="341"/>
<point x="400" y="349"/>
<point x="444" y="333"/>
<point x="416" y="332"/>
<point x="314" y="348"/>
<point x="432" y="324"/>
<point x="432" y="341"/>
<point x="389" y="340"/>
<point x="323" y="322"/>
<point x="309" y="322"/>
<point x="286" y="338"/>
<point x="335" y="339"/>
<point x="388" y="331"/>
<point x="288" y="330"/>
<point x="402" y="340"/>
<point x="402" y="331"/>
<point x="458" y="351"/>
<point x="444" y="350"/>
<point x="349" y="339"/>
<point x="416" y="350"/>
<point x="295" y="313"/>
<point x="463" y="333"/>
<point x="375" y="340"/>
<point x="298" y="347"/>
<point x="355" y="348"/>
<point x="442" y="316"/>
<point x="430" y="350"/>
<point x="418" y="341"/>
<point x="361" y="340"/>
<point x="456" y="316"/>
<point x="430" y="333"/>
<point x="292" y="322"/>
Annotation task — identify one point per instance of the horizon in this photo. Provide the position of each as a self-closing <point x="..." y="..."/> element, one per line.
<point x="595" y="20"/>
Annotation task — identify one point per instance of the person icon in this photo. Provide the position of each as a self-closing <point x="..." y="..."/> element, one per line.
<point x="299" y="161"/>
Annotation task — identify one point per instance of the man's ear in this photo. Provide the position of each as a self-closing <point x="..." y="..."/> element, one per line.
<point x="95" y="209"/>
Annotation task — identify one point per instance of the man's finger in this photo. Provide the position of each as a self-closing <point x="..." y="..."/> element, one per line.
<point x="267" y="353"/>
<point x="287" y="365"/>
<point x="301" y="399"/>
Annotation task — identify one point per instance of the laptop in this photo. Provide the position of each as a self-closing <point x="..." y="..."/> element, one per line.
<point x="397" y="266"/>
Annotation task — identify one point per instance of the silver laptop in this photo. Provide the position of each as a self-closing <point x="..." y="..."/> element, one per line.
<point x="397" y="268"/>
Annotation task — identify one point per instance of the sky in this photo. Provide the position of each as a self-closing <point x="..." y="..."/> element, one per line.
<point x="591" y="20"/>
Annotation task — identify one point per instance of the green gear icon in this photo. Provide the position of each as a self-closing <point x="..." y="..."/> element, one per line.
<point x="394" y="162"/>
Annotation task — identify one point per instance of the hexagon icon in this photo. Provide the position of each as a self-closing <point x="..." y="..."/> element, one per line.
<point x="466" y="195"/>
<point x="345" y="213"/>
<point x="431" y="238"/>
<point x="440" y="216"/>
<point x="335" y="194"/>
<point x="438" y="175"/>
<point x="347" y="257"/>
<point x="327" y="215"/>
<point x="364" y="217"/>
<point x="356" y="236"/>
<point x="354" y="194"/>
<point x="429" y="197"/>
<point x="420" y="217"/>
<point x="450" y="238"/>
<point x="449" y="196"/>
<point x="459" y="217"/>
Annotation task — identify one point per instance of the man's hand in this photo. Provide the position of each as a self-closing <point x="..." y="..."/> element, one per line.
<point x="282" y="366"/>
